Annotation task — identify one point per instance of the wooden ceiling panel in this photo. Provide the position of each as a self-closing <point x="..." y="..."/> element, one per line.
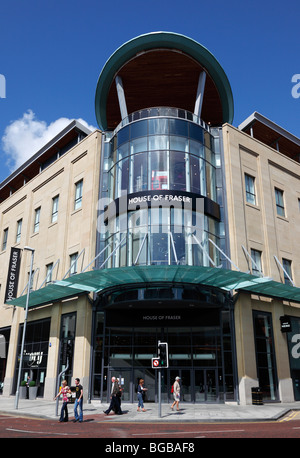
<point x="163" y="78"/>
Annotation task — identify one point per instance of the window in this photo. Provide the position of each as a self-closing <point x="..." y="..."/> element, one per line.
<point x="19" y="230"/>
<point x="49" y="268"/>
<point x="287" y="273"/>
<point x="36" y="226"/>
<point x="5" y="236"/>
<point x="265" y="355"/>
<point x="54" y="209"/>
<point x="250" y="189"/>
<point x="78" y="194"/>
<point x="279" y="202"/>
<point x="256" y="262"/>
<point x="73" y="263"/>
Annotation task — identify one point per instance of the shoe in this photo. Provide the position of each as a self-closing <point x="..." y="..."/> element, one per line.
<point x="144" y="410"/>
<point x="106" y="413"/>
<point x="74" y="421"/>
<point x="138" y="409"/>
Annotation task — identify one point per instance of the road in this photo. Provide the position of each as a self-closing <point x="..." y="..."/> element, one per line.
<point x="101" y="426"/>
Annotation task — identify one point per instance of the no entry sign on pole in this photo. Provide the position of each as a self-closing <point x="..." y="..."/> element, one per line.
<point x="155" y="363"/>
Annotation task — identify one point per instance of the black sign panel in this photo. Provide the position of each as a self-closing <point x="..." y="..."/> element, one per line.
<point x="162" y="318"/>
<point x="286" y="325"/>
<point x="13" y="275"/>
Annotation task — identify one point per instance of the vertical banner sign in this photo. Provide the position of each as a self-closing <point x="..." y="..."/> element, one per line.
<point x="13" y="275"/>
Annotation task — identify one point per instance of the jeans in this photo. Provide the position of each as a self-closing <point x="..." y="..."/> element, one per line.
<point x="78" y="402"/>
<point x="140" y="399"/>
<point x="64" y="412"/>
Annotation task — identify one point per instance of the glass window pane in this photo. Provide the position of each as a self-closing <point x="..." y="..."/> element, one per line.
<point x="158" y="126"/>
<point x="138" y="129"/>
<point x="140" y="172"/>
<point x="196" y="148"/>
<point x="139" y="145"/>
<point x="250" y="189"/>
<point x="159" y="142"/>
<point x="123" y="135"/>
<point x="159" y="170"/>
<point x="279" y="202"/>
<point x="195" y="175"/>
<point x="122" y="151"/>
<point x="179" y="143"/>
<point x="159" y="248"/>
<point x="122" y="177"/>
<point x="196" y="132"/>
<point x="178" y="127"/>
<point x="177" y="171"/>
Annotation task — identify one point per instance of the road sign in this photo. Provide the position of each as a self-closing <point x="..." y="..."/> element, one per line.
<point x="155" y="363"/>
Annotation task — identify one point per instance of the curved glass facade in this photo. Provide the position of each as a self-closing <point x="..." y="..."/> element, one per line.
<point x="157" y="155"/>
<point x="162" y="153"/>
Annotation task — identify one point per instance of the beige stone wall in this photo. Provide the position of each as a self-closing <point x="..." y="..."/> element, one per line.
<point x="74" y="231"/>
<point x="260" y="228"/>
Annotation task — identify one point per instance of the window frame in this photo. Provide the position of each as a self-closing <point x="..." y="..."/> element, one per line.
<point x="280" y="207"/>
<point x="19" y="230"/>
<point x="287" y="266"/>
<point x="73" y="264"/>
<point x="256" y="264"/>
<point x="4" y="239"/>
<point x="250" y="193"/>
<point x="54" y="213"/>
<point x="37" y="220"/>
<point x="78" y="194"/>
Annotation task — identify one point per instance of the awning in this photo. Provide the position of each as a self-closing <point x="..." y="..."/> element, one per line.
<point x="99" y="280"/>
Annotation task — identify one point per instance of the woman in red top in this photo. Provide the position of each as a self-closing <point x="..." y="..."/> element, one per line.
<point x="64" y="390"/>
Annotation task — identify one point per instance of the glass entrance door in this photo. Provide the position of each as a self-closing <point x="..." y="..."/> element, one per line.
<point x="206" y="385"/>
<point x="186" y="394"/>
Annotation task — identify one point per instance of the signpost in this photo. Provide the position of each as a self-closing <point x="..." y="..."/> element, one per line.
<point x="162" y="360"/>
<point x="24" y="326"/>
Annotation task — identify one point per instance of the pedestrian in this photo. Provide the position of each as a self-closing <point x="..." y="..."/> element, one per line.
<point x="140" y="390"/>
<point x="119" y="393"/>
<point x="78" y="401"/>
<point x="65" y="391"/>
<point x="114" y="400"/>
<point x="27" y="387"/>
<point x="176" y="393"/>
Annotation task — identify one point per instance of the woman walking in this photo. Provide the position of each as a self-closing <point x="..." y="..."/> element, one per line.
<point x="140" y="391"/>
<point x="64" y="390"/>
<point x="176" y="393"/>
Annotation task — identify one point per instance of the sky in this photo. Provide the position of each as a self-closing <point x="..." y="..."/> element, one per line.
<point x="52" y="52"/>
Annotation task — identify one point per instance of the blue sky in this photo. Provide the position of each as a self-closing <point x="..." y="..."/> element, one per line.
<point x="52" y="53"/>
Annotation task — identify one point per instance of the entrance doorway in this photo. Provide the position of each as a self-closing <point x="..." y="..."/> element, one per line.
<point x="196" y="385"/>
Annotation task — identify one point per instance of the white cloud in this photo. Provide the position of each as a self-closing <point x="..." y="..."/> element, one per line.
<point x="25" y="136"/>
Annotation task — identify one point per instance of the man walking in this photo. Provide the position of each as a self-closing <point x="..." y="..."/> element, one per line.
<point x="78" y="401"/>
<point x="114" y="403"/>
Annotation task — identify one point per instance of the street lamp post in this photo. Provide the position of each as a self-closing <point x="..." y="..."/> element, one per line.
<point x="24" y="327"/>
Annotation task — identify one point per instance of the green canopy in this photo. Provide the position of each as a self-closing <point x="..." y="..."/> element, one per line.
<point x="99" y="280"/>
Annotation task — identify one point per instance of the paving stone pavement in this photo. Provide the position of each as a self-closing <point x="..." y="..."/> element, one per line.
<point x="188" y="412"/>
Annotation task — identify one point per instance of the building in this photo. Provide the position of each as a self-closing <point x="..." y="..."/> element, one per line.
<point x="167" y="224"/>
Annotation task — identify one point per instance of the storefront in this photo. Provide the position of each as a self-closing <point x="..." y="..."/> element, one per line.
<point x="35" y="354"/>
<point x="196" y="323"/>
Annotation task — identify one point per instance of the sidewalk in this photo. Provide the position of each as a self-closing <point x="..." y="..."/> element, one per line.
<point x="41" y="408"/>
